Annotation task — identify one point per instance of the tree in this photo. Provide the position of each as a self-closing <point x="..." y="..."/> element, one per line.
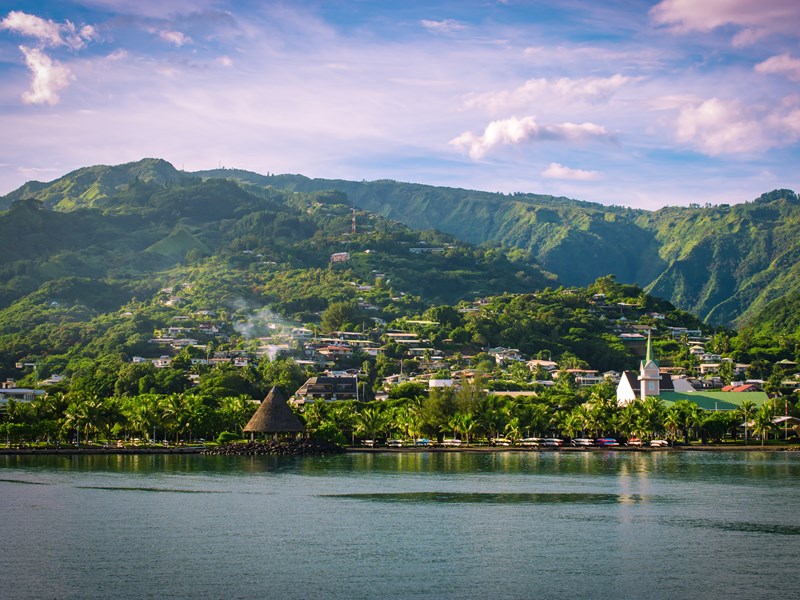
<point x="745" y="412"/>
<point x="370" y="421"/>
<point x="762" y="421"/>
<point x="338" y="316"/>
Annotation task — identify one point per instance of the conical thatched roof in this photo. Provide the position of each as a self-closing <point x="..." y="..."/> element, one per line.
<point x="274" y="416"/>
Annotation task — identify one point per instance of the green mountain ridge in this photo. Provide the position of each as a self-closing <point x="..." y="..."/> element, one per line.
<point x="234" y="248"/>
<point x="723" y="263"/>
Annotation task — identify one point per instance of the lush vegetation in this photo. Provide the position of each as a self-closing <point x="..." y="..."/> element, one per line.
<point x="140" y="287"/>
<point x="721" y="262"/>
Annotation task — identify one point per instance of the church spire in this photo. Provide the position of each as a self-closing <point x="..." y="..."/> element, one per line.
<point x="649" y="374"/>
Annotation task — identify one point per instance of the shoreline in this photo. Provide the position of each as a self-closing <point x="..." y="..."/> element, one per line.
<point x="409" y="450"/>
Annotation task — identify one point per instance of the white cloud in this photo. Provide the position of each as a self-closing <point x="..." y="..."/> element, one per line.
<point x="750" y="36"/>
<point x="49" y="33"/>
<point x="119" y="54"/>
<point x="49" y="76"/>
<point x="587" y="88"/>
<point x="516" y="131"/>
<point x="558" y="171"/>
<point x="444" y="26"/>
<point x="175" y="37"/>
<point x="758" y="18"/>
<point x="719" y="127"/>
<point x="783" y="64"/>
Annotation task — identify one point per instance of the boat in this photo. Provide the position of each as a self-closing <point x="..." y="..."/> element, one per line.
<point x="582" y="442"/>
<point x="634" y="441"/>
<point x="501" y="442"/>
<point x="552" y="442"/>
<point x="451" y="442"/>
<point x="659" y="443"/>
<point x="394" y="443"/>
<point x="606" y="442"/>
<point x="531" y="442"/>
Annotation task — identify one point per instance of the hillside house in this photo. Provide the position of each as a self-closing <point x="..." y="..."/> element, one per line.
<point x="327" y="388"/>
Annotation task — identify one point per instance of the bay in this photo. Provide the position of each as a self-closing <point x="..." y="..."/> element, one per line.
<point x="404" y="525"/>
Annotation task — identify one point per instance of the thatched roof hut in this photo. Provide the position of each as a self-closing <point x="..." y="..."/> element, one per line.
<point x="273" y="416"/>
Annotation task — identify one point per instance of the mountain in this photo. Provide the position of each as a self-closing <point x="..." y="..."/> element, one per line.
<point x="721" y="262"/>
<point x="88" y="258"/>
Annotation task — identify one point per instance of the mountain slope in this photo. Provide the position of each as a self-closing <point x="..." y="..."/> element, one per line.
<point x="721" y="262"/>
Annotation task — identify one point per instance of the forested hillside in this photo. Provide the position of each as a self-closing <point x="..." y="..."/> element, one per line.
<point x="723" y="263"/>
<point x="720" y="262"/>
<point x="94" y="251"/>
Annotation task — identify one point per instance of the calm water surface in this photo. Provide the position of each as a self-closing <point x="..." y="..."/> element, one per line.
<point x="430" y="525"/>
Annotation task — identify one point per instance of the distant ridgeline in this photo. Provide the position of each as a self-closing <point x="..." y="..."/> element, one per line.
<point x="724" y="263"/>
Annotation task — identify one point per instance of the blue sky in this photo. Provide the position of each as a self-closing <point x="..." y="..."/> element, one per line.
<point x="635" y="103"/>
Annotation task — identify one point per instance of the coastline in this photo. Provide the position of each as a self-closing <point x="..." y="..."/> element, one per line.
<point x="411" y="450"/>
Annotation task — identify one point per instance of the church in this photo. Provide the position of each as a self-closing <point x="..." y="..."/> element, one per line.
<point x="652" y="382"/>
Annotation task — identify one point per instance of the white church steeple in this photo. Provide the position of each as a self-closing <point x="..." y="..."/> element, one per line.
<point x="649" y="373"/>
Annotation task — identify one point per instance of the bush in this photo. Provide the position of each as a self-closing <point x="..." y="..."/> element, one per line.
<point x="226" y="437"/>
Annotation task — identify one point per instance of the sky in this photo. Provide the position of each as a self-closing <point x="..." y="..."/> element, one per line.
<point x="626" y="102"/>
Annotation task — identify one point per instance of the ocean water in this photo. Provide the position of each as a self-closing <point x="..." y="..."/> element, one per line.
<point x="401" y="525"/>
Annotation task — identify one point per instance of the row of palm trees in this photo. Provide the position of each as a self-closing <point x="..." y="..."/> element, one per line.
<point x="516" y="418"/>
<point x="83" y="417"/>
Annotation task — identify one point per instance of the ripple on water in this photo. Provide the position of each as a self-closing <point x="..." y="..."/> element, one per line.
<point x="495" y="498"/>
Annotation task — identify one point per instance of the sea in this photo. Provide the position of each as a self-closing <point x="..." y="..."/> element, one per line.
<point x="429" y="525"/>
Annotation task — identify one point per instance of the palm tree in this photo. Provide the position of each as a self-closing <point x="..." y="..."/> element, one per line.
<point x="762" y="421"/>
<point x="673" y="420"/>
<point x="237" y="411"/>
<point x="453" y="424"/>
<point x="746" y="411"/>
<point x="313" y="414"/>
<point x="468" y="425"/>
<point x="75" y="418"/>
<point x="370" y="421"/>
<point x="694" y="418"/>
<point x="175" y="413"/>
<point x="141" y="412"/>
<point x="513" y="429"/>
<point x="571" y="423"/>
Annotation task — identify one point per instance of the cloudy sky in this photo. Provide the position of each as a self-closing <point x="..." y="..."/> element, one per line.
<point x="630" y="102"/>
